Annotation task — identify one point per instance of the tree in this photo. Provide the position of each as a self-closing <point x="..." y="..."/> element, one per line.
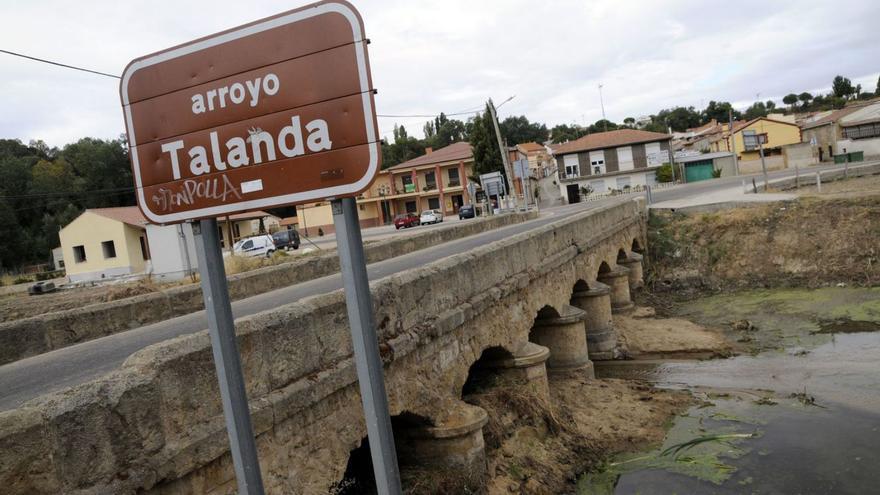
<point x="602" y="125"/>
<point x="563" y="132"/>
<point x="758" y="109"/>
<point x="718" y="110"/>
<point x="678" y="118"/>
<point x="842" y="87"/>
<point x="770" y="105"/>
<point x="790" y="99"/>
<point x="629" y="121"/>
<point x="805" y="98"/>
<point x="877" y="92"/>
<point x="519" y="130"/>
<point x="487" y="156"/>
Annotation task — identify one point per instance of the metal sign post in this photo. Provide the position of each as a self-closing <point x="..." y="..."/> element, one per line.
<point x="366" y="345"/>
<point x="226" y="358"/>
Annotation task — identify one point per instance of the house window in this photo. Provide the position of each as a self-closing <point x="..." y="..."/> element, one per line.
<point x="145" y="249"/>
<point x="410" y="206"/>
<point x="752" y="140"/>
<point x="862" y="131"/>
<point x="454" y="180"/>
<point x="407" y="183"/>
<point x="79" y="254"/>
<point x="572" y="168"/>
<point x="109" y="249"/>
<point x="598" y="167"/>
<point x="430" y="181"/>
<point x="433" y="203"/>
<point x="623" y="183"/>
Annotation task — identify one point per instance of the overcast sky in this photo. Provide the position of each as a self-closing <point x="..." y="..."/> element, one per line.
<point x="452" y="55"/>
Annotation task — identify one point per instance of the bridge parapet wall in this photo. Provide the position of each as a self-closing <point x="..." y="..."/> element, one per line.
<point x="156" y="425"/>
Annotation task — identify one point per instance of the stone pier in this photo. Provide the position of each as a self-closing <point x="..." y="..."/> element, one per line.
<point x="453" y="443"/>
<point x="618" y="280"/>
<point x="527" y="366"/>
<point x="633" y="262"/>
<point x="596" y="303"/>
<point x="566" y="339"/>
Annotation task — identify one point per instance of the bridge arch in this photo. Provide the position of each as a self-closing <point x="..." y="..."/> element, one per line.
<point x="604" y="268"/>
<point x="637" y="246"/>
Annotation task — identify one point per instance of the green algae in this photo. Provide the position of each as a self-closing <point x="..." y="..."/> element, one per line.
<point x="786" y="318"/>
<point x="699" y="444"/>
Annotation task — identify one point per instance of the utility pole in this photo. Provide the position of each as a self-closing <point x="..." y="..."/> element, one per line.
<point x="763" y="164"/>
<point x="730" y="133"/>
<point x="671" y="155"/>
<point x="504" y="158"/>
<point x="602" y="103"/>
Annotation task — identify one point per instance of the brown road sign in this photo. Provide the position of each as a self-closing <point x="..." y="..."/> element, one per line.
<point x="276" y="112"/>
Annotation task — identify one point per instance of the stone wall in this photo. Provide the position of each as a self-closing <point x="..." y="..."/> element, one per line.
<point x="32" y="336"/>
<point x="800" y="155"/>
<point x="156" y="424"/>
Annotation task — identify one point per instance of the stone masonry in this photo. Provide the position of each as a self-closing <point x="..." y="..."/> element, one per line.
<point x="155" y="425"/>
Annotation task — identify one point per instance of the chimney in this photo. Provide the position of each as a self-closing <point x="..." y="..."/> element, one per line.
<point x="429" y="150"/>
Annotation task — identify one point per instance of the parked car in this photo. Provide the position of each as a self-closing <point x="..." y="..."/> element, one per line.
<point x="406" y="220"/>
<point x="466" y="211"/>
<point x="431" y="216"/>
<point x="258" y="245"/>
<point x="286" y="239"/>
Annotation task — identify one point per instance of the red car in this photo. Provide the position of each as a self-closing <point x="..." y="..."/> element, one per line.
<point x="406" y="220"/>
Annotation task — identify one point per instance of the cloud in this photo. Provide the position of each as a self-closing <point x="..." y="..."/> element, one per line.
<point x="449" y="56"/>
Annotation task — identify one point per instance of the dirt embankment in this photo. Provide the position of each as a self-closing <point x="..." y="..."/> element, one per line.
<point x="810" y="242"/>
<point x="539" y="448"/>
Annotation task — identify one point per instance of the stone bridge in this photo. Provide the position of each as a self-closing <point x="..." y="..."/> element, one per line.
<point x="537" y="301"/>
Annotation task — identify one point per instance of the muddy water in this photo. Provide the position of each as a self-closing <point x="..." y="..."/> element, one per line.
<point x="797" y="412"/>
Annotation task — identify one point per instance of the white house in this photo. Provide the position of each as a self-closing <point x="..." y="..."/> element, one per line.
<point x="606" y="161"/>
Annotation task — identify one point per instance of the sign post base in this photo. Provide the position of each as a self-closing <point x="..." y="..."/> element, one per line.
<point x="365" y="342"/>
<point x="227" y="360"/>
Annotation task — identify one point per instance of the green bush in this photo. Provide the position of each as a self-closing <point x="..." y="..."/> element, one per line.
<point x="22" y="280"/>
<point x="664" y="173"/>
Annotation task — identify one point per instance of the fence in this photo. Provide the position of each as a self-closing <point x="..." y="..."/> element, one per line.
<point x="637" y="189"/>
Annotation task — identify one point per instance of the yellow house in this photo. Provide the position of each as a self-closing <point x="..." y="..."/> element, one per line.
<point x="105" y="242"/>
<point x="112" y="242"/>
<point x="774" y="133"/>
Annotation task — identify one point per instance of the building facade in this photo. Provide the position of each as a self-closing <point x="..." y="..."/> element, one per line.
<point x="608" y="161"/>
<point x="860" y="131"/>
<point x="436" y="180"/>
<point x="105" y="243"/>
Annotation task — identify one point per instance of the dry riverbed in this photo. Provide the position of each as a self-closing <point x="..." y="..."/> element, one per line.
<point x="539" y="448"/>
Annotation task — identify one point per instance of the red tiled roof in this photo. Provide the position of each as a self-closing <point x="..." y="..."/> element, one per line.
<point x="130" y="215"/>
<point x="610" y="139"/>
<point x="705" y="127"/>
<point x="741" y="124"/>
<point x="833" y="116"/>
<point x="528" y="147"/>
<point x="455" y="151"/>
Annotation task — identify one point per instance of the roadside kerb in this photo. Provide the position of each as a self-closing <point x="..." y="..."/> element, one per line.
<point x="32" y="336"/>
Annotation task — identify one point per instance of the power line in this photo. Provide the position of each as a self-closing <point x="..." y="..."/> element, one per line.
<point x="69" y="193"/>
<point x="469" y="111"/>
<point x="59" y="64"/>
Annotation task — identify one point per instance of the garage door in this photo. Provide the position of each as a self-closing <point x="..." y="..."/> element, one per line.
<point x="697" y="171"/>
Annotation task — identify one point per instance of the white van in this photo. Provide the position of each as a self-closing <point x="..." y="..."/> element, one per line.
<point x="259" y="245"/>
